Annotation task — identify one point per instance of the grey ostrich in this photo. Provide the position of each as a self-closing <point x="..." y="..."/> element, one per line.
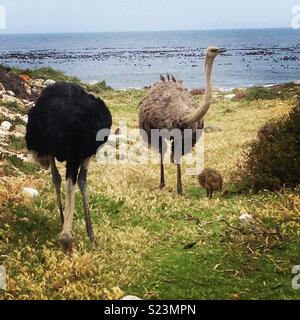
<point x="170" y="106"/>
<point x="63" y="126"/>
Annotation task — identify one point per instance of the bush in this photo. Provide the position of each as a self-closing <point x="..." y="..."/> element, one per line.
<point x="260" y="93"/>
<point x="274" y="162"/>
<point x="98" y="87"/>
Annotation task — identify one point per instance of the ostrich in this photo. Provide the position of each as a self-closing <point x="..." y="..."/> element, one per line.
<point x="63" y="126"/>
<point x="211" y="180"/>
<point x="170" y="106"/>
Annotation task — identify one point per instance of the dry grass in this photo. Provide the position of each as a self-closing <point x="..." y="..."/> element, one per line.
<point x="142" y="231"/>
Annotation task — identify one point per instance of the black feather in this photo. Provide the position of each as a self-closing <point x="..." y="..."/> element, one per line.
<point x="65" y="122"/>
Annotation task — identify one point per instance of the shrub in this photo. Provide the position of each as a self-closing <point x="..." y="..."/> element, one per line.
<point x="274" y="162"/>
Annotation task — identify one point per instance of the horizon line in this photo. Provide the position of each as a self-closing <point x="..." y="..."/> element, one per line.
<point x="144" y="31"/>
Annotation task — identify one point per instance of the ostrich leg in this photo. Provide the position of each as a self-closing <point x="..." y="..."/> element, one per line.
<point x="208" y="193"/>
<point x="66" y="238"/>
<point x="82" y="183"/>
<point x="162" y="169"/>
<point x="179" y="182"/>
<point x="56" y="179"/>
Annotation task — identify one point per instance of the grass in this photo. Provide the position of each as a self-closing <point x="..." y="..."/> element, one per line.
<point x="142" y="232"/>
<point x="48" y="73"/>
<point x="17" y="143"/>
<point x="59" y="76"/>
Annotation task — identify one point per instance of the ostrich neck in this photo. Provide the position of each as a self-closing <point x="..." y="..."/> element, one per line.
<point x="208" y="71"/>
<point x="199" y="113"/>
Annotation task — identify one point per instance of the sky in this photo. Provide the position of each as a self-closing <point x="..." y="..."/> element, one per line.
<point x="51" y="16"/>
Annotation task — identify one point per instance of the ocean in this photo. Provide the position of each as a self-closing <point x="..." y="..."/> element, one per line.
<point x="136" y="59"/>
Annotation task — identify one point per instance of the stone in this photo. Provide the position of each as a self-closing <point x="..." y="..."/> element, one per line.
<point x="49" y="82"/>
<point x="229" y="96"/>
<point x="25" y="119"/>
<point x="93" y="83"/>
<point x="37" y="83"/>
<point x="246" y="219"/>
<point x="30" y="193"/>
<point x="11" y="93"/>
<point x="7" y="100"/>
<point x="6" y="126"/>
<point x="130" y="298"/>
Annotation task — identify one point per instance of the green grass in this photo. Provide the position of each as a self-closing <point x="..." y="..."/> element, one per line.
<point x="48" y="73"/>
<point x="25" y="167"/>
<point x="17" y="143"/>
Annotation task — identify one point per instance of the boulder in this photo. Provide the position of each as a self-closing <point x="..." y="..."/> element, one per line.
<point x="5" y="126"/>
<point x="229" y="96"/>
<point x="11" y="93"/>
<point x="130" y="298"/>
<point x="93" y="83"/>
<point x="246" y="219"/>
<point x="9" y="100"/>
<point x="49" y="82"/>
<point x="37" y="83"/>
<point x="30" y="193"/>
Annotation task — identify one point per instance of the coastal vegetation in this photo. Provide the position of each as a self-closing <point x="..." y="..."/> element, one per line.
<point x="153" y="243"/>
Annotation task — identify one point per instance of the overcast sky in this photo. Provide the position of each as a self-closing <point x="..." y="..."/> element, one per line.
<point x="36" y="16"/>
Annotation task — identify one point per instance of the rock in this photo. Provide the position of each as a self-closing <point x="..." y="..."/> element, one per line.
<point x="229" y="96"/>
<point x="9" y="100"/>
<point x="30" y="105"/>
<point x="240" y="95"/>
<point x="49" y="82"/>
<point x="6" y="126"/>
<point x="25" y="119"/>
<point x="210" y="129"/>
<point x="130" y="298"/>
<point x="37" y="83"/>
<point x="93" y="83"/>
<point x="20" y="129"/>
<point x="11" y="93"/>
<point x="246" y="219"/>
<point x="30" y="193"/>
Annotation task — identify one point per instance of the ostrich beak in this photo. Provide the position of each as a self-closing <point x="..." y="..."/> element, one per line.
<point x="222" y="51"/>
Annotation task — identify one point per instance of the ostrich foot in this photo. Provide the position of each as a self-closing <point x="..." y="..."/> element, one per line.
<point x="66" y="241"/>
<point x="162" y="185"/>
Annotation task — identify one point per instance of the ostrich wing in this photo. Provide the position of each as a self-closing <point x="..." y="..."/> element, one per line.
<point x="165" y="106"/>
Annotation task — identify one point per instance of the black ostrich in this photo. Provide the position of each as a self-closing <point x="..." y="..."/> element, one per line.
<point x="63" y="125"/>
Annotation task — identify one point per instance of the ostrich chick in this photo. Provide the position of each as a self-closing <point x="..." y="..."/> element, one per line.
<point x="212" y="181"/>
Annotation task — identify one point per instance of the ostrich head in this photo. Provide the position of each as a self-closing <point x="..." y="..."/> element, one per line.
<point x="213" y="52"/>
